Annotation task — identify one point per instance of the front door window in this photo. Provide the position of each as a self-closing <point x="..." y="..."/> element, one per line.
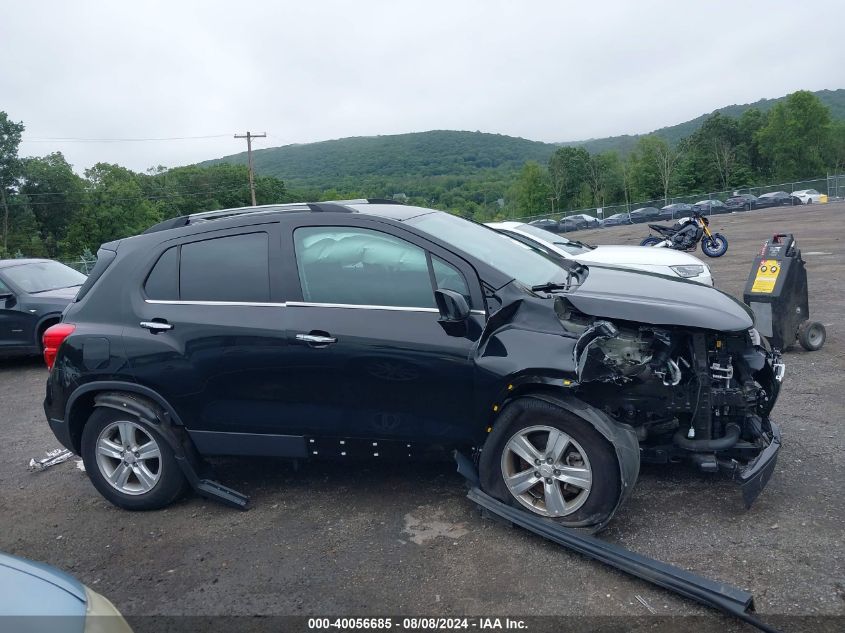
<point x="355" y="266"/>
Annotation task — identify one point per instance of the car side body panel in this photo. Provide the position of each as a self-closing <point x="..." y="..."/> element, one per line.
<point x="231" y="371"/>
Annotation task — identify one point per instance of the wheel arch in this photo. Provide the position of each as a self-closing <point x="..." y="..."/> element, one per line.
<point x="621" y="436"/>
<point x="141" y="401"/>
<point x="43" y="323"/>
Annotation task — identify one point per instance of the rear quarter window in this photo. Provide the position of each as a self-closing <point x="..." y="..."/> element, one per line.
<point x="233" y="268"/>
<point x="163" y="280"/>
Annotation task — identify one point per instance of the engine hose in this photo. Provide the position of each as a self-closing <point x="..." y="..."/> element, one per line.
<point x="730" y="438"/>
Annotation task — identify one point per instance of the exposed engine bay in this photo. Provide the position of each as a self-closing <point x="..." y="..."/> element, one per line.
<point x="689" y="394"/>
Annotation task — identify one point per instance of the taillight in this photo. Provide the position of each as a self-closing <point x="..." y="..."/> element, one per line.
<point x="53" y="337"/>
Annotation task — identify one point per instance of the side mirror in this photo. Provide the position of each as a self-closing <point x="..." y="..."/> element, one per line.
<point x="452" y="305"/>
<point x="5" y="295"/>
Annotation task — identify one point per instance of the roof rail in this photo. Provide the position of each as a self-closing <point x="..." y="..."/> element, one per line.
<point x="264" y="208"/>
<point x="220" y="214"/>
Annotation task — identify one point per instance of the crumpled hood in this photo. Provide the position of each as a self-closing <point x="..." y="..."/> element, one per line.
<point x="637" y="255"/>
<point x="618" y="293"/>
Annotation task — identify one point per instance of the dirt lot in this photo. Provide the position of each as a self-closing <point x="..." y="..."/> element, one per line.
<point x="375" y="539"/>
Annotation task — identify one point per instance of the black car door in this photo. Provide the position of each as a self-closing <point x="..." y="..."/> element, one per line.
<point x="16" y="326"/>
<point x="368" y="355"/>
<point x="209" y="336"/>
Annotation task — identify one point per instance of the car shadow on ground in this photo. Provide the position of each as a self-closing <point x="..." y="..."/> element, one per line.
<point x="14" y="363"/>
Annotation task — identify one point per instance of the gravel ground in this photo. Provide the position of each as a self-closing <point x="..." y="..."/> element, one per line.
<point x="402" y="539"/>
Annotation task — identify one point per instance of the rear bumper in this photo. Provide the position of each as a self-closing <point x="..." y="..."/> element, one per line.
<point x="62" y="432"/>
<point x="756" y="475"/>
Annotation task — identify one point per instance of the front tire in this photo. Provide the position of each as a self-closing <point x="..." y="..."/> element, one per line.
<point x="129" y="462"/>
<point x="548" y="461"/>
<point x="715" y="246"/>
<point x="651" y="240"/>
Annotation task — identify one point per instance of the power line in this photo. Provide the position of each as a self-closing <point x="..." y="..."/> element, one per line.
<point x="76" y="139"/>
<point x="171" y="192"/>
<point x="141" y="197"/>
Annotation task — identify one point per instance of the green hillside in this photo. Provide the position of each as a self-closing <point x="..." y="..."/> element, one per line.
<point x="461" y="171"/>
<point x="833" y="99"/>
<point x="439" y="154"/>
<point x="444" y="153"/>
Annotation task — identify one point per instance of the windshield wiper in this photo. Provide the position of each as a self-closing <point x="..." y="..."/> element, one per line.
<point x="573" y="270"/>
<point x="35" y="292"/>
<point x="575" y="243"/>
<point x="550" y="286"/>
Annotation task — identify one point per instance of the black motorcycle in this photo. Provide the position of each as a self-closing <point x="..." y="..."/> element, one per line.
<point x="685" y="234"/>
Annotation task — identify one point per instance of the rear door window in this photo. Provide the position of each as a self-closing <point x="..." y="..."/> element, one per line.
<point x="233" y="268"/>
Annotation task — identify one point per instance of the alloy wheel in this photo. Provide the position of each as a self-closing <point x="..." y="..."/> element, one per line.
<point x="547" y="471"/>
<point x="129" y="458"/>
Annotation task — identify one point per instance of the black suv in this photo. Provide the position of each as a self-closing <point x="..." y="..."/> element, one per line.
<point x="372" y="329"/>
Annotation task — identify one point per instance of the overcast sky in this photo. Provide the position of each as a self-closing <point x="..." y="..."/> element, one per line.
<point x="312" y="70"/>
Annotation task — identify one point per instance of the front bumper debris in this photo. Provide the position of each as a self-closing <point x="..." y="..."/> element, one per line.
<point x="718" y="595"/>
<point x="754" y="477"/>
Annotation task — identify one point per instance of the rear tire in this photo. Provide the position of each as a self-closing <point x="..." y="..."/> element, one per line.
<point x="651" y="240"/>
<point x="715" y="246"/>
<point x="580" y="487"/>
<point x="129" y="461"/>
<point x="811" y="335"/>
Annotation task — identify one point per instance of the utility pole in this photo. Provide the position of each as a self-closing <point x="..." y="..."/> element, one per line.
<point x="249" y="136"/>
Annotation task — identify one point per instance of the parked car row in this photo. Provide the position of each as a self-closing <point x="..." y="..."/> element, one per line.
<point x="739" y="202"/>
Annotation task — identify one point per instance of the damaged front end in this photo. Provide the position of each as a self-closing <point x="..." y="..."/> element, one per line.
<point x="689" y="393"/>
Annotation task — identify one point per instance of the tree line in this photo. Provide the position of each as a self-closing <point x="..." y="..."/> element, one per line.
<point x="49" y="210"/>
<point x="794" y="140"/>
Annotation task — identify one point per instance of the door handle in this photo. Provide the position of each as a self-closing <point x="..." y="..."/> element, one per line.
<point x="316" y="339"/>
<point x="156" y="326"/>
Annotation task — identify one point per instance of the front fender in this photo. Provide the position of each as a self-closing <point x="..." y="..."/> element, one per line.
<point x="621" y="436"/>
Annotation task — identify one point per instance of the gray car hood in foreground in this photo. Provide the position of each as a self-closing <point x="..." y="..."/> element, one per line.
<point x="28" y="588"/>
<point x="618" y="293"/>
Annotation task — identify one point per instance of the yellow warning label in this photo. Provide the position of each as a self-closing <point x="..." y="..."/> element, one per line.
<point x="767" y="276"/>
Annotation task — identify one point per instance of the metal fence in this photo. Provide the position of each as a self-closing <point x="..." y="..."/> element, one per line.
<point x="833" y="186"/>
<point x="83" y="265"/>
